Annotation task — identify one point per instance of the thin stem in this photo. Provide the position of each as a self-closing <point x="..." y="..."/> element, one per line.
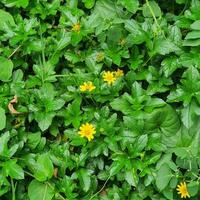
<point x="13" y="189"/>
<point x="14" y="51"/>
<point x="154" y="17"/>
<point x="100" y="189"/>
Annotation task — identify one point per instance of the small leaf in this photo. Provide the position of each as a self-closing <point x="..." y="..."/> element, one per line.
<point x="3" y="144"/>
<point x="151" y="5"/>
<point x="13" y="170"/>
<point x="164" y="46"/>
<point x="84" y="178"/>
<point x="163" y="177"/>
<point x="6" y="67"/>
<point x="2" y="119"/>
<point x="5" y="18"/>
<point x="43" y="168"/>
<point x="195" y="25"/>
<point x="40" y="191"/>
<point x="131" y="6"/>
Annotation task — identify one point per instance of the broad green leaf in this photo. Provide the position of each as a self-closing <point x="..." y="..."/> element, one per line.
<point x="33" y="139"/>
<point x="195" y="25"/>
<point x="164" y="46"/>
<point x="163" y="177"/>
<point x="64" y="41"/>
<point x="151" y="7"/>
<point x="3" y="144"/>
<point x="192" y="43"/>
<point x="38" y="190"/>
<point x="44" y="119"/>
<point x="192" y="35"/>
<point x="6" y="67"/>
<point x="165" y="119"/>
<point x="169" y="65"/>
<point x="137" y="35"/>
<point x="2" y="118"/>
<point x="5" y="18"/>
<point x="193" y="188"/>
<point x="43" y="168"/>
<point x="17" y="3"/>
<point x="85" y="179"/>
<point x="131" y="177"/>
<point x="131" y="6"/>
<point x="140" y="143"/>
<point x="12" y="169"/>
<point x="121" y="104"/>
<point x="106" y="9"/>
<point x="116" y="167"/>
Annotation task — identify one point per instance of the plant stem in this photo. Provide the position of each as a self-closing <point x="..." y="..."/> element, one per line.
<point x="100" y="189"/>
<point x="13" y="189"/>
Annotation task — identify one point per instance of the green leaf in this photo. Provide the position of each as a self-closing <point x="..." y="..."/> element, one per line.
<point x="181" y="1"/>
<point x="84" y="178"/>
<point x="6" y="67"/>
<point x="5" y="18"/>
<point x="44" y="119"/>
<point x="89" y="3"/>
<point x="140" y="143"/>
<point x="195" y="25"/>
<point x="116" y="167"/>
<point x="3" y="144"/>
<point x="106" y="9"/>
<point x="131" y="177"/>
<point x="164" y="46"/>
<point x="169" y="65"/>
<point x="131" y="6"/>
<point x="163" y="177"/>
<point x="151" y="7"/>
<point x="13" y="170"/>
<point x="188" y="114"/>
<point x="17" y="3"/>
<point x="121" y="104"/>
<point x="34" y="139"/>
<point x="192" y="35"/>
<point x="137" y="35"/>
<point x="43" y="168"/>
<point x="165" y="119"/>
<point x="2" y="118"/>
<point x="42" y="191"/>
<point x="193" y="188"/>
<point x="192" y="43"/>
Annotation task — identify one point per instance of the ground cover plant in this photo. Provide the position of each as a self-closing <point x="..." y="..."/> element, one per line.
<point x="99" y="99"/>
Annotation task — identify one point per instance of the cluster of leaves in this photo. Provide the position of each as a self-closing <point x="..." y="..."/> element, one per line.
<point x="147" y="123"/>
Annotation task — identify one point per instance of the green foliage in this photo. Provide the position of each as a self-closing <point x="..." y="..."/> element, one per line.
<point x="56" y="59"/>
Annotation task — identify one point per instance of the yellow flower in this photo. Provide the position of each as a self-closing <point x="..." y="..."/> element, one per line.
<point x="122" y="42"/>
<point x="76" y="27"/>
<point x="109" y="77"/>
<point x="87" y="86"/>
<point x="83" y="87"/>
<point x="182" y="190"/>
<point x="87" y="130"/>
<point x="100" y="56"/>
<point x="119" y="73"/>
<point x="90" y="86"/>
